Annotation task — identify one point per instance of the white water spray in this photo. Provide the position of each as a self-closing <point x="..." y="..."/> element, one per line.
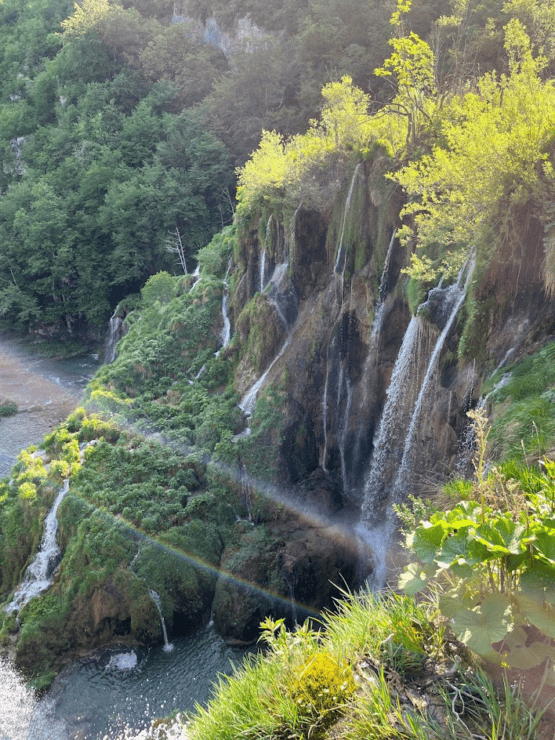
<point x="113" y="337"/>
<point x="38" y="576"/>
<point x="249" y="399"/>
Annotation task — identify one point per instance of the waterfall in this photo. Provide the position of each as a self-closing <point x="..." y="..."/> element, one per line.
<point x="38" y="576"/>
<point x="225" y="336"/>
<point x="168" y="647"/>
<point x="325" y="413"/>
<point x="375" y="488"/>
<point x="249" y="399"/>
<point x="343" y="435"/>
<point x="262" y="270"/>
<point x="381" y="483"/>
<point x="341" y="256"/>
<point x="382" y="292"/>
<point x="453" y="299"/>
<point x="114" y="335"/>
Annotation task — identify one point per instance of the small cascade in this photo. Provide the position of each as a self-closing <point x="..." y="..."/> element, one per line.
<point x="168" y="647"/>
<point x="341" y="260"/>
<point x="38" y="576"/>
<point x="249" y="399"/>
<point x="112" y="338"/>
<point x="225" y="335"/>
<point x="196" y="275"/>
<point x="262" y="270"/>
<point x="197" y="376"/>
<point x="278" y="274"/>
<point x="382" y="292"/>
<point x="280" y="313"/>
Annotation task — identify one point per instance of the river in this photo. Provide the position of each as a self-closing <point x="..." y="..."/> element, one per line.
<point x="114" y="694"/>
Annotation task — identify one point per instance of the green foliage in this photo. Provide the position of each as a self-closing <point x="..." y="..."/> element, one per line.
<point x="523" y="419"/>
<point x="495" y="555"/>
<point x="486" y="160"/>
<point x="8" y="408"/>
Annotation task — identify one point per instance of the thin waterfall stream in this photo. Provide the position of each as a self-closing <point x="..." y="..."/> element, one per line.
<point x="168" y="647"/>
<point x="38" y="576"/>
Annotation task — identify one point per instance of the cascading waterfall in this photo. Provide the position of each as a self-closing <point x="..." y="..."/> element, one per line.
<point x="225" y="336"/>
<point x="343" y="434"/>
<point x="382" y="292"/>
<point x="38" y="576"/>
<point x="113" y="337"/>
<point x="262" y="270"/>
<point x="168" y="647"/>
<point x="454" y="298"/>
<point x="325" y="413"/>
<point x="380" y="485"/>
<point x="385" y="447"/>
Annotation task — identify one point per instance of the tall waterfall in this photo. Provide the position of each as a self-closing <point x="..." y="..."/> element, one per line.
<point x="387" y="479"/>
<point x="38" y="576"/>
<point x="225" y="336"/>
<point x="113" y="337"/>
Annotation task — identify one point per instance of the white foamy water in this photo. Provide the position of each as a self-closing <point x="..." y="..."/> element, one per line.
<point x="38" y="576"/>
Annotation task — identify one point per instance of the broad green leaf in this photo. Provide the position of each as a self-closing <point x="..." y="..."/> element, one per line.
<point x="427" y="540"/>
<point x="539" y="576"/>
<point x="461" y="569"/>
<point x="486" y="624"/>
<point x="538" y="611"/>
<point x="545" y="544"/>
<point x="461" y="548"/>
<point x="535" y="654"/>
<point x="412" y="580"/>
<point x="503" y="536"/>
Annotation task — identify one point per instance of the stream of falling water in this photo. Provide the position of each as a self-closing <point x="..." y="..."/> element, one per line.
<point x="341" y="260"/>
<point x="38" y="576"/>
<point x="380" y="486"/>
<point x="168" y="647"/>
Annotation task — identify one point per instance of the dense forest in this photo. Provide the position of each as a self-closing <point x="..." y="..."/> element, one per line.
<point x="120" y="126"/>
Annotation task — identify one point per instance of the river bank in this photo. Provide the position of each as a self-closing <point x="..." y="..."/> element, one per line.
<point x="45" y="391"/>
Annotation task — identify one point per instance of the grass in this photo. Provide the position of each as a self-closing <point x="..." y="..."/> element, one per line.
<point x="523" y="418"/>
<point x="411" y="683"/>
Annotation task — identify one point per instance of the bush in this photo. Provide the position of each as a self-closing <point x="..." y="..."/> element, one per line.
<point x="8" y="408"/>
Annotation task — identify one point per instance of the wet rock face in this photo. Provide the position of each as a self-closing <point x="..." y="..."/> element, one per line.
<point x="304" y="566"/>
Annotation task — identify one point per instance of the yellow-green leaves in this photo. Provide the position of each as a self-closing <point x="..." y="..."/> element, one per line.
<point x="492" y="140"/>
<point x="85" y="17"/>
<point x="277" y="163"/>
